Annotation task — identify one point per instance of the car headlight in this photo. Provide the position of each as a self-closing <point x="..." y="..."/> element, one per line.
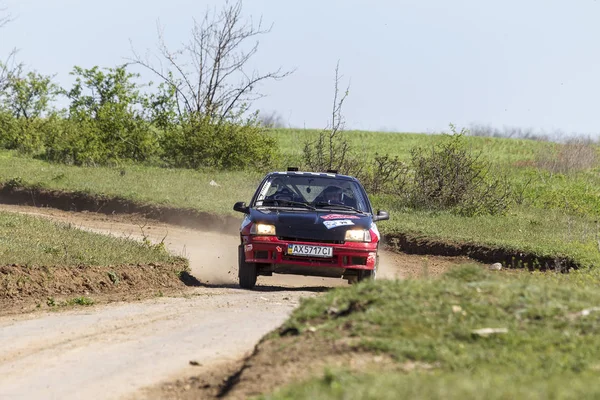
<point x="263" y="229"/>
<point x="358" y="235"/>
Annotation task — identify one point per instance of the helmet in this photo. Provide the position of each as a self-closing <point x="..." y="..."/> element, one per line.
<point x="333" y="194"/>
<point x="284" y="193"/>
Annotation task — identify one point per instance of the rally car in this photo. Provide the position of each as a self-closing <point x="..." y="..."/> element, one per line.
<point x="308" y="223"/>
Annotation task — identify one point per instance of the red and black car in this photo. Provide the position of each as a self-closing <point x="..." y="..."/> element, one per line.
<point x="308" y="223"/>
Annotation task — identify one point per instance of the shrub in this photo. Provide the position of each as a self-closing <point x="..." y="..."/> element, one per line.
<point x="330" y="151"/>
<point x="74" y="142"/>
<point x="21" y="134"/>
<point x="84" y="141"/>
<point x="200" y="142"/>
<point x="387" y="175"/>
<point x="450" y="176"/>
<point x="105" y="122"/>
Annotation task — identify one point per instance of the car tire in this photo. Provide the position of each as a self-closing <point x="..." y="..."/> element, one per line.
<point x="246" y="271"/>
<point x="365" y="275"/>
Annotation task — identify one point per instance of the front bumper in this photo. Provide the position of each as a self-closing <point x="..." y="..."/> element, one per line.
<point x="271" y="250"/>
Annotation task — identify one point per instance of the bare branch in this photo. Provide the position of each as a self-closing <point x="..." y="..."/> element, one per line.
<point x="5" y="17"/>
<point x="209" y="72"/>
<point x="9" y="68"/>
<point x="332" y="150"/>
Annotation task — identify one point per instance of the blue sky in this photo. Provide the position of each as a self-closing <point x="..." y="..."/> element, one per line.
<point x="413" y="65"/>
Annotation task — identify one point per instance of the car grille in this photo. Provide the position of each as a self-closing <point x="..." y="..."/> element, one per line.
<point x="320" y="260"/>
<point x="359" y="260"/>
<point x="297" y="239"/>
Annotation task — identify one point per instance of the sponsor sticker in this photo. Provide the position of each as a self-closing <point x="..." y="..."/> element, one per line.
<point x="329" y="217"/>
<point x="337" y="223"/>
<point x="375" y="230"/>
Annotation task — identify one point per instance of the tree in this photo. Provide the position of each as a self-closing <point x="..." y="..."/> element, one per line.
<point x="209" y="75"/>
<point x="28" y="96"/>
<point x="105" y="122"/>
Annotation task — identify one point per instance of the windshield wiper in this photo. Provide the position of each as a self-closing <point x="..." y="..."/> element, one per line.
<point x="291" y="202"/>
<point x="341" y="206"/>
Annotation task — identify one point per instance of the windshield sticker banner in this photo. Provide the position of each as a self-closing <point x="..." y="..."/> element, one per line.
<point x="338" y="216"/>
<point x="337" y="223"/>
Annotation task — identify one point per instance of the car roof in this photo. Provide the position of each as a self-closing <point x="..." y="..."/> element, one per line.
<point x="321" y="174"/>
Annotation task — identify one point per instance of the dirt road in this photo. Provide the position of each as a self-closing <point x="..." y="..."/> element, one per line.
<point x="113" y="351"/>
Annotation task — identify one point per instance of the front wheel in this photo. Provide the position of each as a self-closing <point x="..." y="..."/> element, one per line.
<point x="246" y="271"/>
<point x="367" y="274"/>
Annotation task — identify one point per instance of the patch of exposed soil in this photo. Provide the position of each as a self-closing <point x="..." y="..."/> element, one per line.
<point x="274" y="364"/>
<point x="25" y="287"/>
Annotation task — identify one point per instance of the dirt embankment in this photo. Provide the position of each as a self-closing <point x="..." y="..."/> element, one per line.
<point x="510" y="258"/>
<point x="26" y="287"/>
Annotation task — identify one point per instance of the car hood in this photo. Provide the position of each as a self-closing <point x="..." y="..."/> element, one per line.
<point x="326" y="225"/>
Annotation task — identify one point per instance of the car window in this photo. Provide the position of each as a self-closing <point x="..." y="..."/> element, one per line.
<point x="312" y="189"/>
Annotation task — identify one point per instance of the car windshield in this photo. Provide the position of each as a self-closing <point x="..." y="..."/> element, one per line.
<point x="310" y="191"/>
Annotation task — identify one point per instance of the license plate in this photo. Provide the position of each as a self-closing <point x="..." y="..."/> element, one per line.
<point x="310" y="251"/>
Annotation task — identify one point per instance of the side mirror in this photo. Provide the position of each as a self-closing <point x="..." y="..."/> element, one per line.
<point x="381" y="216"/>
<point x="241" y="206"/>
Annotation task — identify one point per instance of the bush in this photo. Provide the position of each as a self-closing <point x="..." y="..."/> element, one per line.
<point x="74" y="142"/>
<point x="85" y="141"/>
<point x="105" y="123"/>
<point x="200" y="142"/>
<point x="387" y="175"/>
<point x="21" y="134"/>
<point x="449" y="176"/>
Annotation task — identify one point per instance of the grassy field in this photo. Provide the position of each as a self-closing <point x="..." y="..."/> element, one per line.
<point x="505" y="151"/>
<point x="550" y="323"/>
<point x="555" y="214"/>
<point x="26" y="240"/>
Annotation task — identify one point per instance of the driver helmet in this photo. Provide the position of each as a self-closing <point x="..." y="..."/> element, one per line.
<point x="333" y="194"/>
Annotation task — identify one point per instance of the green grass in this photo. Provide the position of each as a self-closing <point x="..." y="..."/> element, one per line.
<point x="489" y="385"/>
<point x="26" y="240"/>
<point x="80" y="301"/>
<point x="503" y="151"/>
<point x="557" y="214"/>
<point x="549" y="341"/>
<point x="151" y="185"/>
